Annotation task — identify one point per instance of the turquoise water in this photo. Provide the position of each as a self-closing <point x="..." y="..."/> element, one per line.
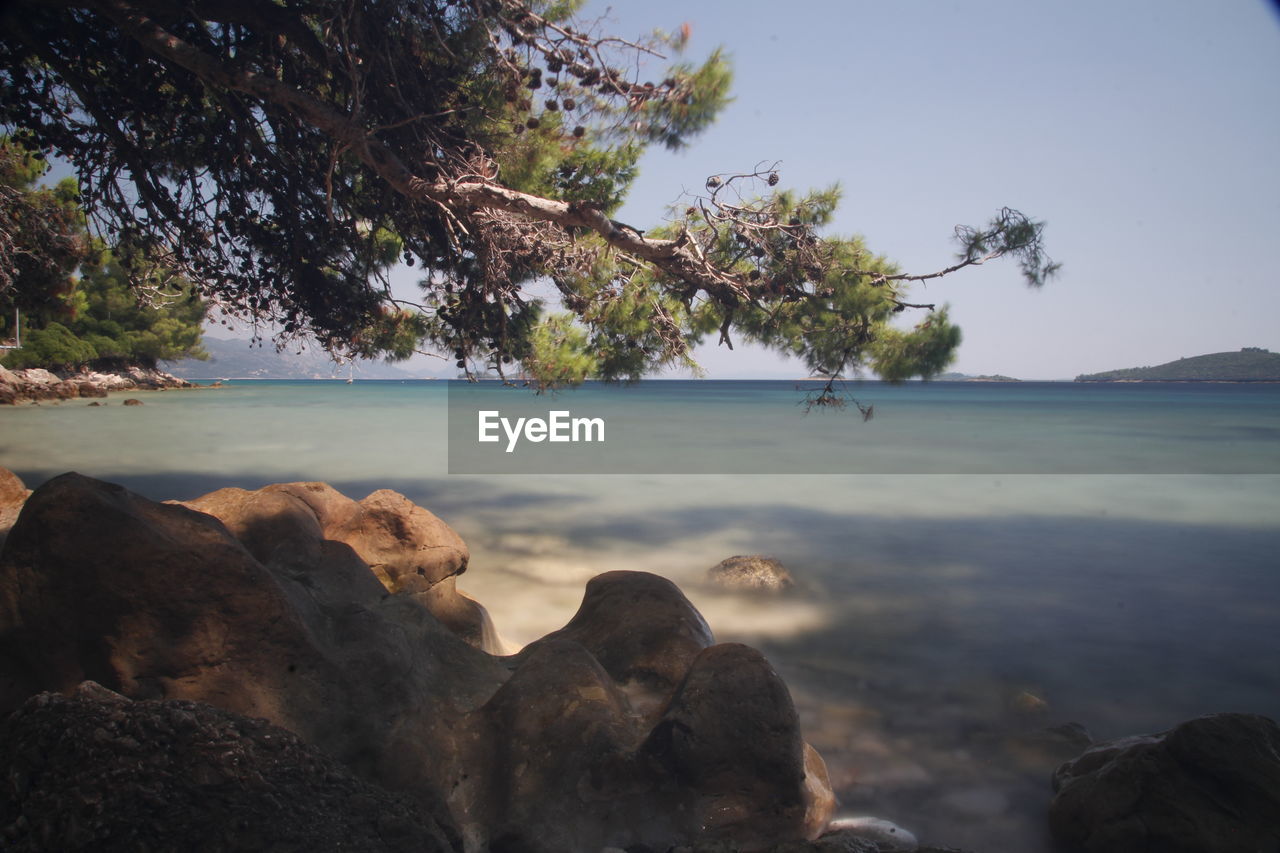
<point x="1111" y="550"/>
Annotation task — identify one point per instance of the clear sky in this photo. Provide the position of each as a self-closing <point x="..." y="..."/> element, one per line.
<point x="1145" y="132"/>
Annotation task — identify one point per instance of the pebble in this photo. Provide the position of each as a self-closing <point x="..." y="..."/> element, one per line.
<point x="887" y="835"/>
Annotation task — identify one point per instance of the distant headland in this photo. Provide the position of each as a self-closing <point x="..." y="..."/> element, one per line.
<point x="965" y="377"/>
<point x="1251" y="364"/>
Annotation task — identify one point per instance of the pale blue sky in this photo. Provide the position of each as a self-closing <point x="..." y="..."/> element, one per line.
<point x="1145" y="132"/>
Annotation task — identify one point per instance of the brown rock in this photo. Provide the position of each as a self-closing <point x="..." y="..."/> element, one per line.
<point x="642" y="630"/>
<point x="275" y="614"/>
<point x="66" y="390"/>
<point x="90" y="389"/>
<point x="13" y="494"/>
<point x="407" y="548"/>
<point x="142" y="603"/>
<point x="543" y="794"/>
<point x="731" y="734"/>
<point x="412" y="548"/>
<point x="172" y="606"/>
<point x="132" y="401"/>
<point x="1209" y="785"/>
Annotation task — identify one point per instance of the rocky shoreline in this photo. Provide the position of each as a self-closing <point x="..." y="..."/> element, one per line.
<point x="33" y="385"/>
<point x="289" y="668"/>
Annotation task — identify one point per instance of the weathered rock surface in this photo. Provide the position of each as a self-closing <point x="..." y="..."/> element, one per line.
<point x="675" y="738"/>
<point x="732" y="736"/>
<point x="299" y="526"/>
<point x="34" y="384"/>
<point x="751" y="573"/>
<point x="96" y="771"/>
<point x="13" y="494"/>
<point x="642" y="630"/>
<point x="1209" y="785"/>
<point x="323" y="615"/>
<point x="158" y="601"/>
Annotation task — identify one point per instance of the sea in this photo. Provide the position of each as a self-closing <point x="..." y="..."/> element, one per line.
<point x="988" y="574"/>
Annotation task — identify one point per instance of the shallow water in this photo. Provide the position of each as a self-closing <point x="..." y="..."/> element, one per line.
<point x="944" y="619"/>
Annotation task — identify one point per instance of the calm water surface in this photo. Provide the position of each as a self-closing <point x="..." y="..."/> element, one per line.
<point x="985" y="562"/>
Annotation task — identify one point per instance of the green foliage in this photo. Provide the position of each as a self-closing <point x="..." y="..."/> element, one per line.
<point x="79" y="303"/>
<point x="1251" y="364"/>
<point x="42" y="236"/>
<point x="282" y="155"/>
<point x="162" y="322"/>
<point x="53" y="346"/>
<point x="558" y="352"/>
<point x="109" y="321"/>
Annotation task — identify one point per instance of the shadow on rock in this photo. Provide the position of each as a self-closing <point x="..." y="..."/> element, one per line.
<point x="338" y="621"/>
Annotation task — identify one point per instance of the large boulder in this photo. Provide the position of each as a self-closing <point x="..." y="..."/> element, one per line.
<point x="643" y="631"/>
<point x="158" y="601"/>
<point x="674" y="739"/>
<point x="731" y="736"/>
<point x="1210" y="785"/>
<point x="298" y="526"/>
<point x="96" y="771"/>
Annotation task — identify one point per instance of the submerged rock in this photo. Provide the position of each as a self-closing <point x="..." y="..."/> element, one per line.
<point x="752" y="573"/>
<point x="1209" y="785"/>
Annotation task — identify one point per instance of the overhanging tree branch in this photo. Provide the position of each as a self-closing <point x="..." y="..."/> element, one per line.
<point x="288" y="154"/>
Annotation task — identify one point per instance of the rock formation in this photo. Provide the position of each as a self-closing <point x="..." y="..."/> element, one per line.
<point x="34" y="384"/>
<point x="338" y="620"/>
<point x="1209" y="785"/>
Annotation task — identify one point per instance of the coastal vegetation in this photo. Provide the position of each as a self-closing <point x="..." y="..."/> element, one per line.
<point x="1250" y="364"/>
<point x="282" y="156"/>
<point x="986" y="377"/>
<point x="71" y="301"/>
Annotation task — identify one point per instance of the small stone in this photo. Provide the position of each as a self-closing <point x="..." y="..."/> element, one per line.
<point x="1027" y="702"/>
<point x="887" y="836"/>
<point x="132" y="402"/>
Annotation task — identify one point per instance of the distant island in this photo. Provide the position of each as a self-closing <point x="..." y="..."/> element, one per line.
<point x="1251" y="364"/>
<point x="965" y="377"/>
<point x="236" y="359"/>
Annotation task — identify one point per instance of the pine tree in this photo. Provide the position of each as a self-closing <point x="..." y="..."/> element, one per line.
<point x="275" y="152"/>
<point x="79" y="306"/>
